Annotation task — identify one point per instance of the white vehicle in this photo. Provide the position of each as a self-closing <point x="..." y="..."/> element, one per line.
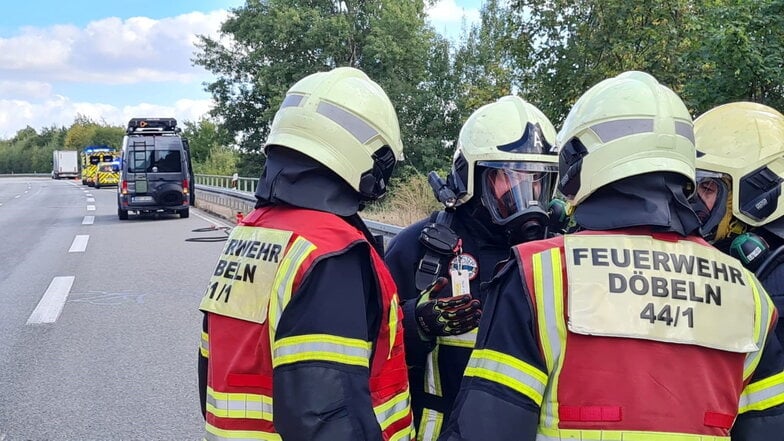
<point x="65" y="164"/>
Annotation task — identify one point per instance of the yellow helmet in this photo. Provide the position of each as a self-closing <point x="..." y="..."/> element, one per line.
<point x="508" y="133"/>
<point x="623" y="126"/>
<point x="346" y="122"/>
<point x="742" y="144"/>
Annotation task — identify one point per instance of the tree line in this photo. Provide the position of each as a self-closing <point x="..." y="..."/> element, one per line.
<point x="549" y="52"/>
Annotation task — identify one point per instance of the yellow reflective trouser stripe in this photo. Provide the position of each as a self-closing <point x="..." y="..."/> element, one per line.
<point x="321" y="347"/>
<point x="548" y="291"/>
<point x="284" y="281"/>
<point x="617" y="435"/>
<point x="509" y="371"/>
<point x="239" y="405"/>
<point x="430" y="425"/>
<point x="216" y="434"/>
<point x="394" y="409"/>
<point x="466" y="340"/>
<point x="763" y="314"/>
<point x="407" y="434"/>
<point x="204" y="346"/>
<point x="763" y="394"/>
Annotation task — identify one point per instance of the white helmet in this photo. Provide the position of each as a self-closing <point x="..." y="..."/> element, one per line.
<point x="624" y="126"/>
<point x="510" y="143"/>
<point x="740" y="155"/>
<point x="346" y="122"/>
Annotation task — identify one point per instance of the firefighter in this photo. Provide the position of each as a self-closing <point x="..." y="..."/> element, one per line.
<point x="302" y="336"/>
<point x="634" y="328"/>
<point x="502" y="178"/>
<point x="740" y="171"/>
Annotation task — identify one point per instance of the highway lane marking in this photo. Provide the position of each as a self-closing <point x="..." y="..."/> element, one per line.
<point x="79" y="243"/>
<point x="90" y="199"/>
<point x="91" y="208"/>
<point x="17" y="196"/>
<point x="213" y="221"/>
<point x="52" y="302"/>
<point x="88" y="220"/>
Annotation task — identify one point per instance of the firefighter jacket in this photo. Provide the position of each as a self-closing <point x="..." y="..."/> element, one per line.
<point x="436" y="367"/>
<point x="303" y="330"/>
<point x="625" y="334"/>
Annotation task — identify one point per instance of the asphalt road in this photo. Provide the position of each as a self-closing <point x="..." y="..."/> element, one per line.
<point x="99" y="320"/>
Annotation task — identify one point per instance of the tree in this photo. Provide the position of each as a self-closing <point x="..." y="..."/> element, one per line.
<point x="564" y="47"/>
<point x="266" y="45"/>
<point x="741" y="55"/>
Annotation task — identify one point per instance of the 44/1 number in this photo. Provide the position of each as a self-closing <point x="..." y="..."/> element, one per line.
<point x="667" y="314"/>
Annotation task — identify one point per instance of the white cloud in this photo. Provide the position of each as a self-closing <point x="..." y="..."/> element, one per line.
<point x="38" y="63"/>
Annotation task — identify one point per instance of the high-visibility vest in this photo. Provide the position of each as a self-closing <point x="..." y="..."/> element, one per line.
<point x="609" y="386"/>
<point x="283" y="243"/>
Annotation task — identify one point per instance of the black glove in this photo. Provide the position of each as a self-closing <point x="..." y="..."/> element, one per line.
<point x="446" y="316"/>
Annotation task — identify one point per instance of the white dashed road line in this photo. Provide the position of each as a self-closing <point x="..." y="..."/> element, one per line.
<point x="51" y="304"/>
<point x="79" y="243"/>
<point x="91" y="208"/>
<point x="90" y="199"/>
<point x="17" y="196"/>
<point x="88" y="220"/>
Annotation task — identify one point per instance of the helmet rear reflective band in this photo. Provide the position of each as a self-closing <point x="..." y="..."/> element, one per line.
<point x="510" y="190"/>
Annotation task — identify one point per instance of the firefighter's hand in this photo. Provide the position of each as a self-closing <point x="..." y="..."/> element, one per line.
<point x="446" y="316"/>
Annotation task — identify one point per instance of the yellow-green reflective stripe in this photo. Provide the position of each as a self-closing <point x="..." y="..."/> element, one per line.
<point x="467" y="340"/>
<point x="392" y="410"/>
<point x="508" y="371"/>
<point x="392" y="324"/>
<point x="204" y="346"/>
<point x="321" y="347"/>
<point x="216" y="434"/>
<point x="763" y="394"/>
<point x="430" y="425"/>
<point x="239" y="405"/>
<point x="284" y="280"/>
<point x="763" y="314"/>
<point x="552" y="328"/>
<point x="617" y="435"/>
<point x="407" y="434"/>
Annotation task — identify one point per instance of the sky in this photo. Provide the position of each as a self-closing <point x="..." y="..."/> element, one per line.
<point x="114" y="60"/>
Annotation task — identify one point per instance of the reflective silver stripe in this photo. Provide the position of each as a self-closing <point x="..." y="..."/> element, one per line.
<point x="753" y="358"/>
<point x="509" y="371"/>
<point x="292" y="100"/>
<point x="763" y="394"/>
<point x="392" y="410"/>
<point x="335" y="348"/>
<point x="617" y="435"/>
<point x="239" y="405"/>
<point x="612" y="130"/>
<point x="291" y="263"/>
<point x="430" y="425"/>
<point x="685" y="129"/>
<point x="216" y="434"/>
<point x="432" y="376"/>
<point x="352" y="123"/>
<point x="466" y="340"/>
<point x="549" y="406"/>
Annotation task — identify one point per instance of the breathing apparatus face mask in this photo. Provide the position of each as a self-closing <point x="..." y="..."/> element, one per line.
<point x="517" y="194"/>
<point x="710" y="201"/>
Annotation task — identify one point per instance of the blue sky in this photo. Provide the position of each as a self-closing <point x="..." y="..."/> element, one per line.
<point x="112" y="60"/>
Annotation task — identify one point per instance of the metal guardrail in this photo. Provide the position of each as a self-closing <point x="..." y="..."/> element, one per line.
<point x="245" y="200"/>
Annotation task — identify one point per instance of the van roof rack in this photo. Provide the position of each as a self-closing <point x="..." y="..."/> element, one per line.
<point x="154" y="126"/>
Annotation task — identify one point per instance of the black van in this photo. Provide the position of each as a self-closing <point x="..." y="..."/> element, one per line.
<point x="155" y="170"/>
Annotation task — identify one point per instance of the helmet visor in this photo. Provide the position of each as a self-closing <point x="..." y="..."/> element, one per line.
<point x="512" y="188"/>
<point x="710" y="200"/>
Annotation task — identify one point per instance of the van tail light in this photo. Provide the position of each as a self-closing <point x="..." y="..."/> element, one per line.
<point x="185" y="186"/>
<point x="124" y="186"/>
